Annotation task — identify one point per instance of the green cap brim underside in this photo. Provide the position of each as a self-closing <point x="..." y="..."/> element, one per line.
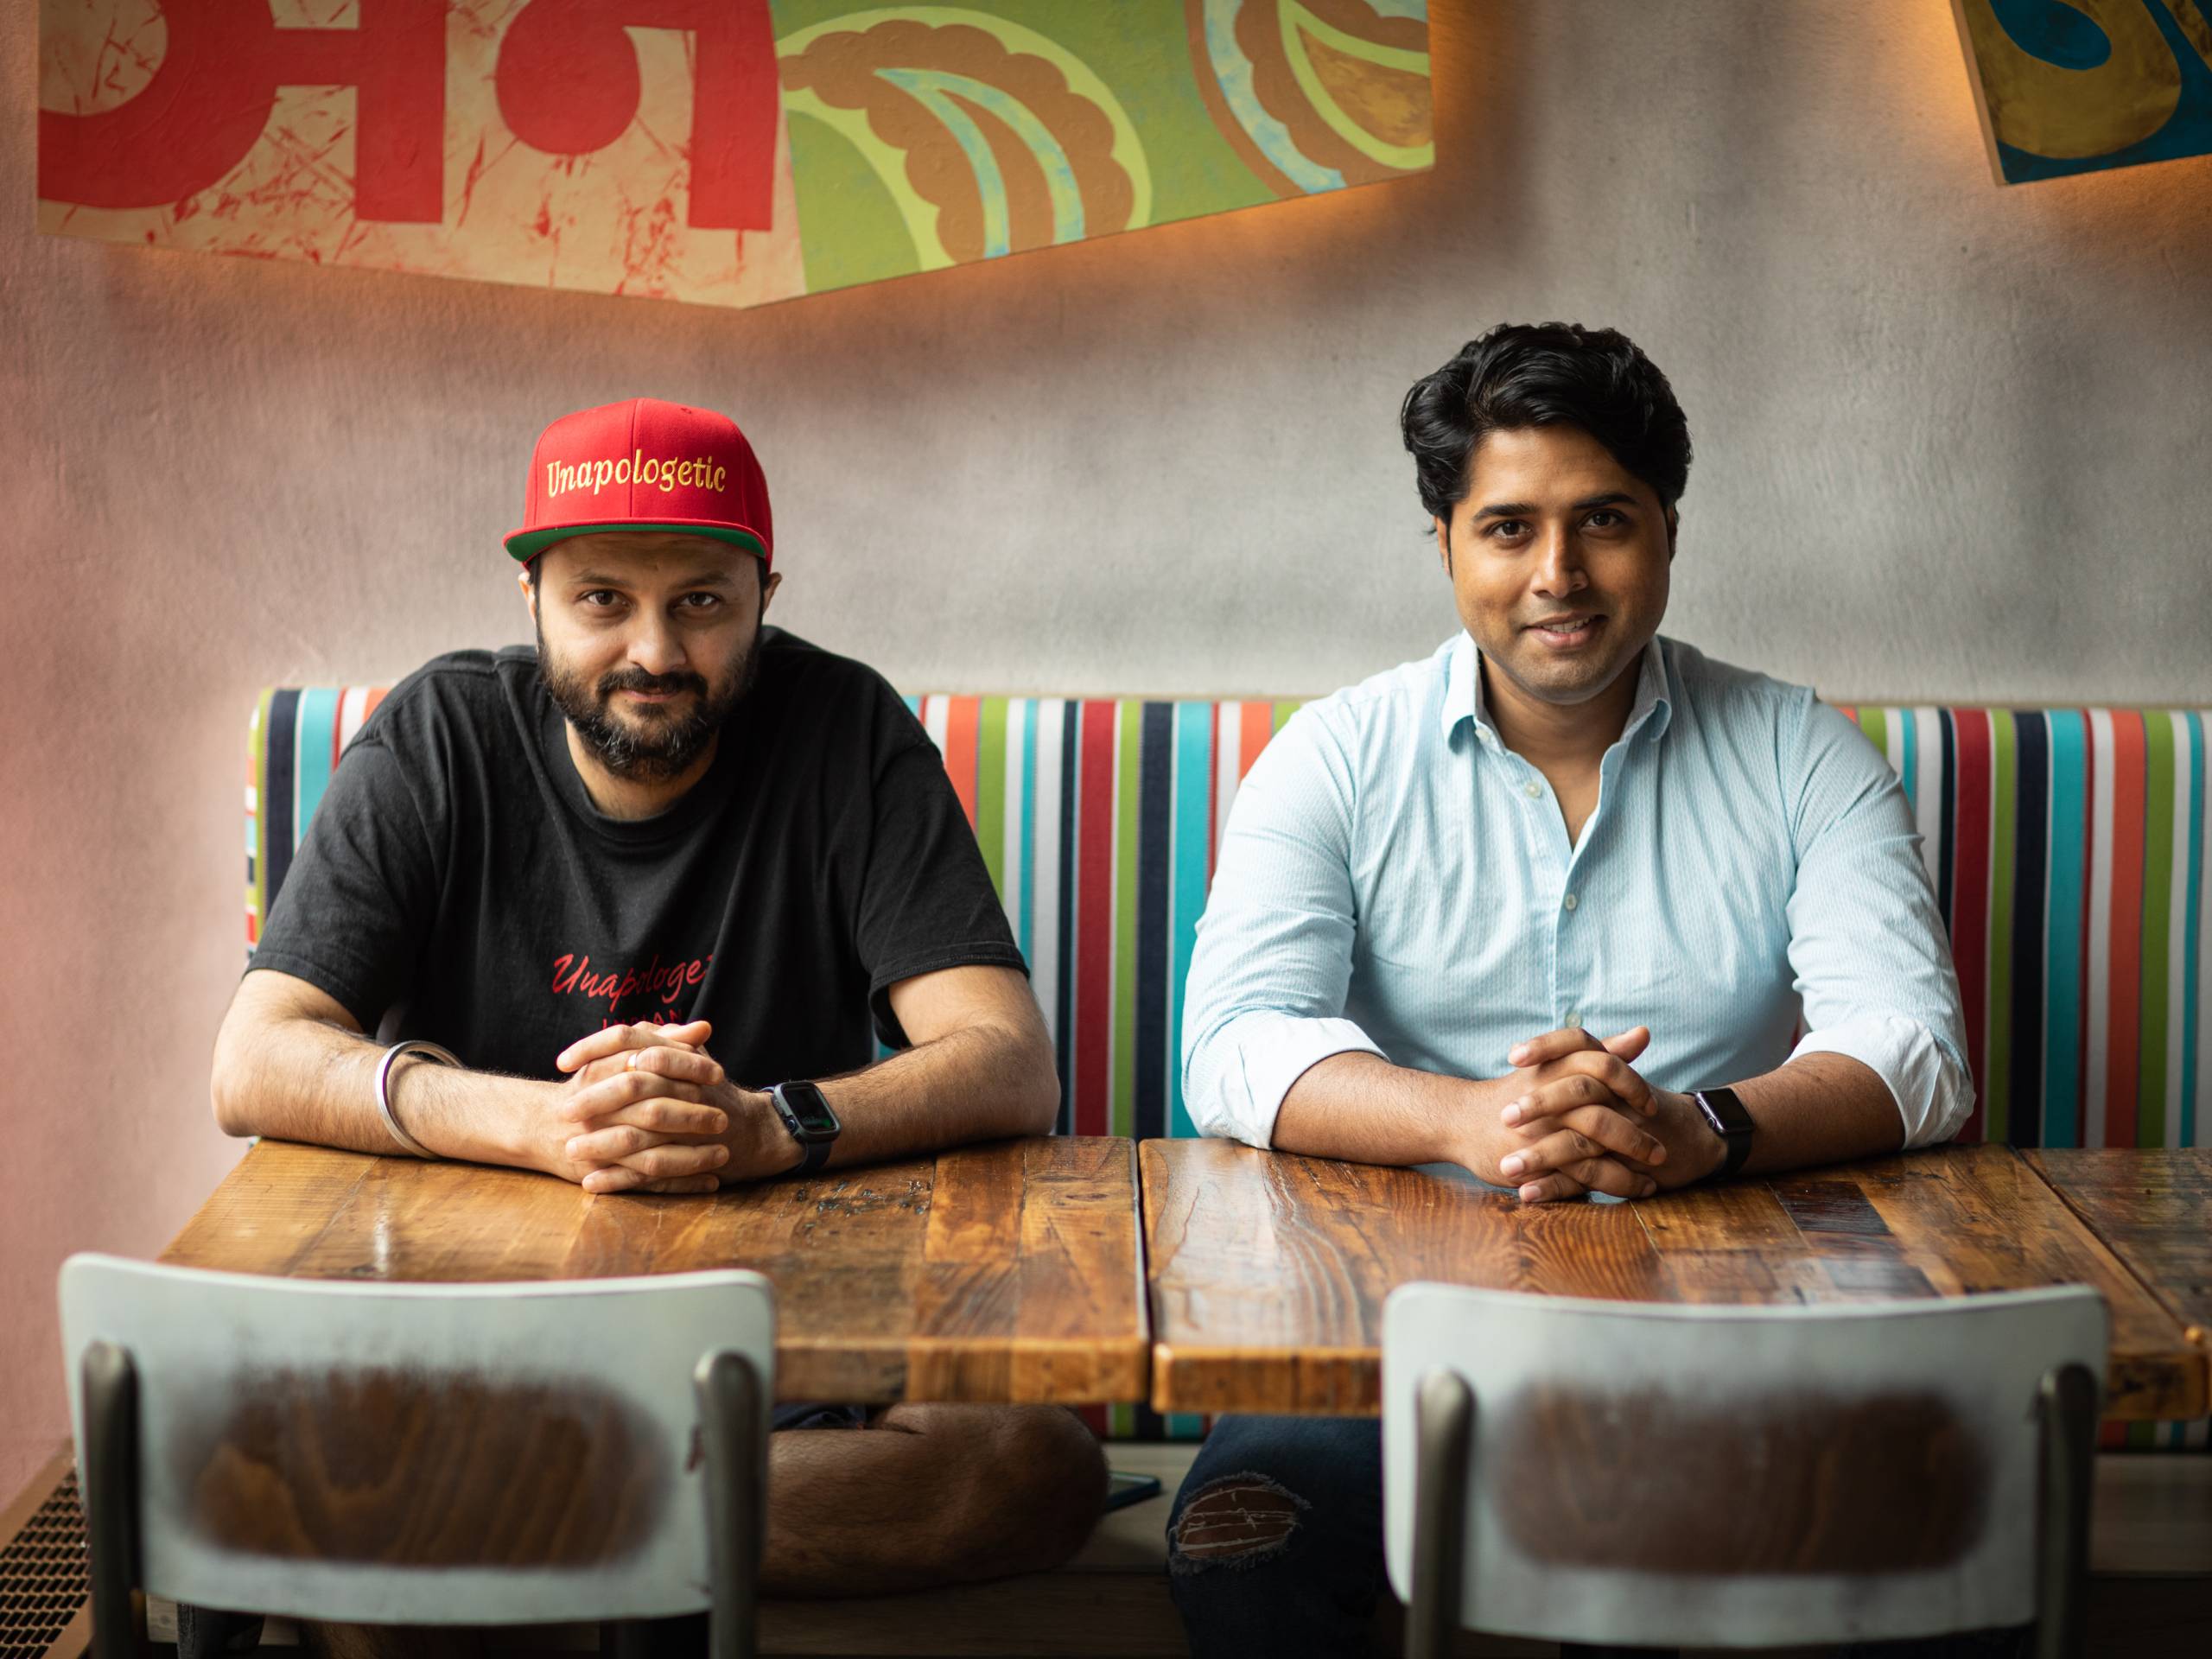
<point x="529" y="544"/>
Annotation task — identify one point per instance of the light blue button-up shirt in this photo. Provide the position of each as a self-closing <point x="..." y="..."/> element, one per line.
<point x="1394" y="879"/>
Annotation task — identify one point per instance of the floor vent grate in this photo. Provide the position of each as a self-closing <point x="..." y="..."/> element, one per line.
<point x="45" y="1574"/>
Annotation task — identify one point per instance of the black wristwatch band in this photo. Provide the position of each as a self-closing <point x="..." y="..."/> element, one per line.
<point x="810" y="1120"/>
<point x="1726" y="1116"/>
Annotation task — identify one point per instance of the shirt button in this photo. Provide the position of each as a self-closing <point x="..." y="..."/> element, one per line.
<point x="1532" y="789"/>
<point x="1574" y="1017"/>
<point x="1571" y="901"/>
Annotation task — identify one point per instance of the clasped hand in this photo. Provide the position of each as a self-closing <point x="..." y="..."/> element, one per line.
<point x="1575" y="1117"/>
<point x="647" y="1109"/>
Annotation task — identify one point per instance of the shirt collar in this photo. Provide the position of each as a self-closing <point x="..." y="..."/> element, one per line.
<point x="1464" y="698"/>
<point x="1462" y="685"/>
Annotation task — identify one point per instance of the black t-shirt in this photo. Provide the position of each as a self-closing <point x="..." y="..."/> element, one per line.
<point x="457" y="871"/>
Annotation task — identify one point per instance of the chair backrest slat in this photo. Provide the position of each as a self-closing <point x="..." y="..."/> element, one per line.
<point x="1730" y="1477"/>
<point x="414" y="1452"/>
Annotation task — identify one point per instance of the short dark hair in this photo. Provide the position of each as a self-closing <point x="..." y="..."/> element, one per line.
<point x="1521" y="375"/>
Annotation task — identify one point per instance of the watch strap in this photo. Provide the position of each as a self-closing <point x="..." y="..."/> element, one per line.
<point x="1726" y="1114"/>
<point x="814" y="1152"/>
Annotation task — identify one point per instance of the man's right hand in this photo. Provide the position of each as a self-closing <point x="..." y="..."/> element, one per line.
<point x="656" y="1079"/>
<point x="1582" y="1101"/>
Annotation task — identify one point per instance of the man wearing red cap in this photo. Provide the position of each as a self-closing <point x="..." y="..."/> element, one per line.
<point x="558" y="903"/>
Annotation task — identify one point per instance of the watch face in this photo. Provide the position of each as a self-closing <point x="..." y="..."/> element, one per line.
<point x="1724" y="1111"/>
<point x="815" y="1119"/>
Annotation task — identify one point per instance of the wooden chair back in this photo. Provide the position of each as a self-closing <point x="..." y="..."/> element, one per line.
<point x="1624" y="1473"/>
<point x="420" y="1453"/>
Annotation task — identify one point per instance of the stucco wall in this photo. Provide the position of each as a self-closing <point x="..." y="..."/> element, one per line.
<point x="1952" y="439"/>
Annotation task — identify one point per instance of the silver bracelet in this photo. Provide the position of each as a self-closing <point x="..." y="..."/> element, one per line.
<point x="443" y="1056"/>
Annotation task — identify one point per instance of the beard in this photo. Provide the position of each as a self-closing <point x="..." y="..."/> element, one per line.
<point x="654" y="744"/>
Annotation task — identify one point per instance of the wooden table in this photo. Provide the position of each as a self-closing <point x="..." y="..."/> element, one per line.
<point x="1267" y="1272"/>
<point x="2153" y="1208"/>
<point x="1003" y="1273"/>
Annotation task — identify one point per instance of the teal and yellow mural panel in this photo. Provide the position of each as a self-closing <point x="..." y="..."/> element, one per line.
<point x="2079" y="85"/>
<point x="727" y="152"/>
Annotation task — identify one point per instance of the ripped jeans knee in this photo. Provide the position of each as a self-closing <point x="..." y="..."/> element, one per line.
<point x="1238" y="1520"/>
<point x="1289" y="1510"/>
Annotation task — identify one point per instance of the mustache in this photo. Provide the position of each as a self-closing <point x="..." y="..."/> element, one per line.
<point x="635" y="679"/>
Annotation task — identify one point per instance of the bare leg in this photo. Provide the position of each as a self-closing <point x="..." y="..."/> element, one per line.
<point x="928" y="1495"/>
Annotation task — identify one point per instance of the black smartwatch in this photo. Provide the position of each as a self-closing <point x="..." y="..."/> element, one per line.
<point x="1726" y="1116"/>
<point x="809" y="1118"/>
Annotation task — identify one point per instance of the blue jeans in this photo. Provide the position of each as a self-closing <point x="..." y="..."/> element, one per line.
<point x="1283" y="1554"/>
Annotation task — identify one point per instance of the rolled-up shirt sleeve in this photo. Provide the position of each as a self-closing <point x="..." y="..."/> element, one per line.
<point x="1265" y="999"/>
<point x="1867" y="946"/>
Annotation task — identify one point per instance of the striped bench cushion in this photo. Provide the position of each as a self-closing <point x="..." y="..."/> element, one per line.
<point x="2068" y="848"/>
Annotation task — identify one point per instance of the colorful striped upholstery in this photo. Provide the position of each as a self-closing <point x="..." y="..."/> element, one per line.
<point x="2068" y="848"/>
<point x="293" y="743"/>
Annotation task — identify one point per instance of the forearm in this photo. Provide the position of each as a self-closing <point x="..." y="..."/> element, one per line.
<point x="1818" y="1109"/>
<point x="1361" y="1108"/>
<point x="981" y="1081"/>
<point x="312" y="1081"/>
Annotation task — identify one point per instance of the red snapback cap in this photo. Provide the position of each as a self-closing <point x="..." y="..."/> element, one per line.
<point x="644" y="464"/>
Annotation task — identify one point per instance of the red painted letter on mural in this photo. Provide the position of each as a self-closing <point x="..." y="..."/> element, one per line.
<point x="210" y="98"/>
<point x="569" y="84"/>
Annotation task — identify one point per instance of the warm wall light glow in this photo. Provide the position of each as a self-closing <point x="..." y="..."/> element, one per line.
<point x="730" y="152"/>
<point x="2086" y="85"/>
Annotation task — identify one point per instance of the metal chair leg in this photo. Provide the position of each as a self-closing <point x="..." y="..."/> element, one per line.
<point x="109" y="1382"/>
<point x="1444" y="1435"/>
<point x="733" y="1418"/>
<point x="2067" y="1435"/>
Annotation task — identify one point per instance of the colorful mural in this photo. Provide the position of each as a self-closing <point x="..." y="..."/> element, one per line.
<point x="728" y="152"/>
<point x="2079" y="86"/>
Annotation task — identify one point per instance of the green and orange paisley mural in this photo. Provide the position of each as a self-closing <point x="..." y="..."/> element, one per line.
<point x="728" y="152"/>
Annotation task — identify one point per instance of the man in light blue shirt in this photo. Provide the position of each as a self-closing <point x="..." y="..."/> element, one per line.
<point x="1435" y="886"/>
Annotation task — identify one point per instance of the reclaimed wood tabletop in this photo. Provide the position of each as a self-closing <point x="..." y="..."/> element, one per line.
<point x="2153" y="1208"/>
<point x="1267" y="1272"/>
<point x="1003" y="1273"/>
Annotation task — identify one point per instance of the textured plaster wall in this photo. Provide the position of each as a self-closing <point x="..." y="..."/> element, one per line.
<point x="1952" y="439"/>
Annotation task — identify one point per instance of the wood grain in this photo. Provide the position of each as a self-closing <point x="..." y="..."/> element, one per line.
<point x="1267" y="1272"/>
<point x="997" y="1274"/>
<point x="417" y="1470"/>
<point x="2153" y="1208"/>
<point x="1792" y="1482"/>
